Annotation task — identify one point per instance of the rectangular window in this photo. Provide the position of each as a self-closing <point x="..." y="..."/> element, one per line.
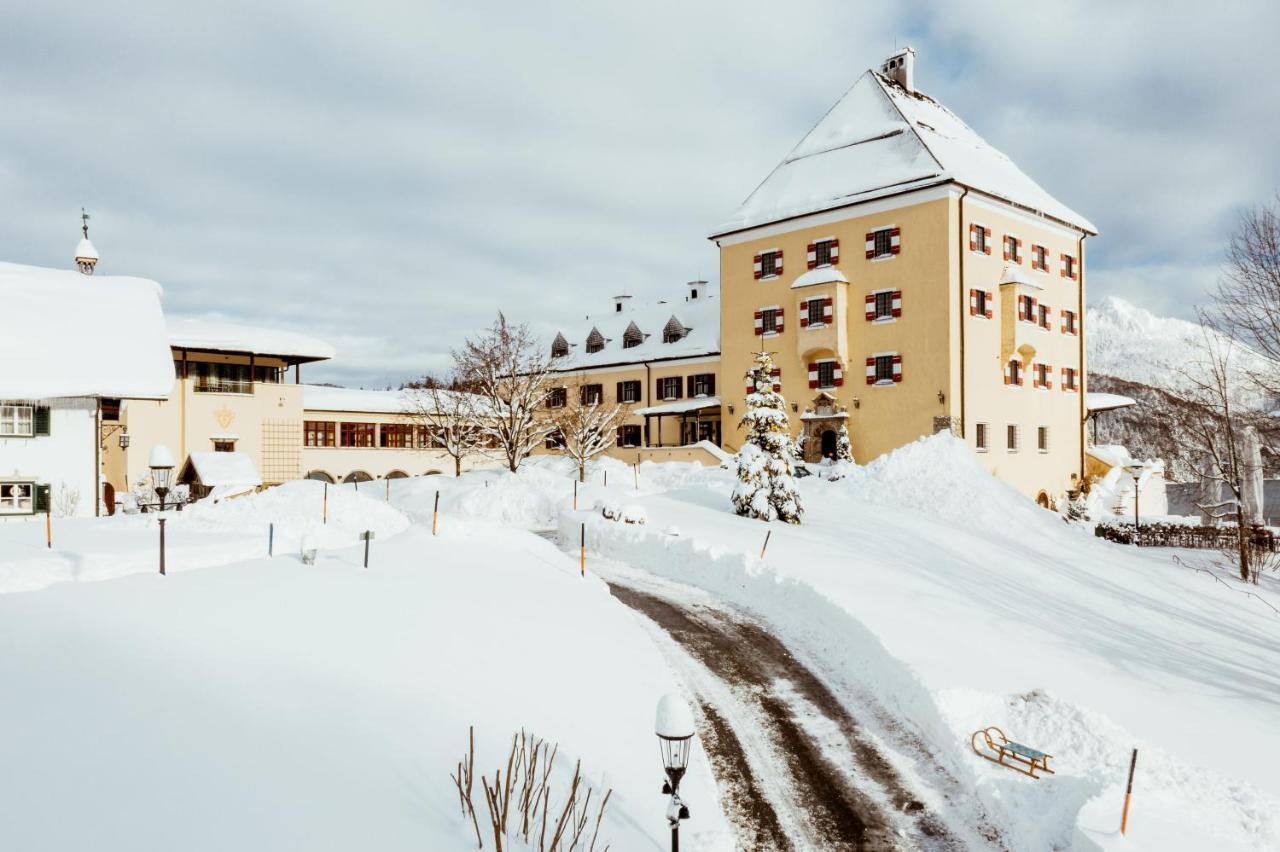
<point x="1069" y="378"/>
<point x="557" y="397"/>
<point x="17" y="498"/>
<point x="1027" y="308"/>
<point x="704" y="384"/>
<point x="1068" y="267"/>
<point x="884" y="368"/>
<point x="883" y="241"/>
<point x="224" y="446"/>
<point x="1015" y="373"/>
<point x="1039" y="257"/>
<point x="827" y="373"/>
<point x="1012" y="248"/>
<point x="980" y="437"/>
<point x="1012" y="437"/>
<point x="1069" y="322"/>
<point x="591" y="394"/>
<point x="1042" y="439"/>
<point x="554" y="441"/>
<point x="822" y="252"/>
<point x="669" y="387"/>
<point x="396" y="436"/>
<point x="770" y="263"/>
<point x="1041" y="377"/>
<point x="17" y="420"/>
<point x="769" y="320"/>
<point x="358" y="434"/>
<point x="629" y="436"/>
<point x="222" y="378"/>
<point x="1044" y="315"/>
<point x="884" y="304"/>
<point x="982" y="303"/>
<point x="978" y="237"/>
<point x="629" y="391"/>
<point x="318" y="433"/>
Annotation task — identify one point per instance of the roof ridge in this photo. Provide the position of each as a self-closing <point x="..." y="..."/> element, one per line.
<point x="910" y="124"/>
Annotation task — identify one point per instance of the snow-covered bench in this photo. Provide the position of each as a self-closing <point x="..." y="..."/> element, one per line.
<point x="998" y="748"/>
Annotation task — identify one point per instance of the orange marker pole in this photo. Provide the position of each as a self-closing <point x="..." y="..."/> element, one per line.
<point x="48" y="529"/>
<point x="435" y="514"/>
<point x="1128" y="792"/>
<point x="766" y="543"/>
<point x="582" y="551"/>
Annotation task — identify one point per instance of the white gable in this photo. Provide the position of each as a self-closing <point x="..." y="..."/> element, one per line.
<point x="69" y="334"/>
<point x="878" y="140"/>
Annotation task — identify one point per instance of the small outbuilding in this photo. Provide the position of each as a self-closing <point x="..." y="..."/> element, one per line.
<point x="220" y="475"/>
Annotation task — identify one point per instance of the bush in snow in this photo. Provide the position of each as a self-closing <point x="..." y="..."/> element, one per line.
<point x="766" y="488"/>
<point x="634" y="513"/>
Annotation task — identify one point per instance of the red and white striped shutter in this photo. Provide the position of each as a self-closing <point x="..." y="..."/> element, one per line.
<point x="991" y="298"/>
<point x="871" y="371"/>
<point x="1048" y="377"/>
<point x="759" y="322"/>
<point x="1022" y="377"/>
<point x="828" y="310"/>
<point x="1017" y="244"/>
<point x="776" y="372"/>
<point x="781" y="319"/>
<point x="1008" y="372"/>
<point x="804" y="313"/>
<point x="987" y="234"/>
<point x="1064" y="377"/>
<point x="1035" y="375"/>
<point x="813" y="375"/>
<point x="895" y="240"/>
<point x="1022" y="307"/>
<point x="973" y="302"/>
<point x="1063" y="272"/>
<point x="1004" y="244"/>
<point x="897" y="368"/>
<point x="777" y="266"/>
<point x="759" y="269"/>
<point x="839" y="375"/>
<point x="897" y="303"/>
<point x="835" y="251"/>
<point x="813" y="255"/>
<point x="871" y="244"/>
<point x="973" y="238"/>
<point x="871" y="307"/>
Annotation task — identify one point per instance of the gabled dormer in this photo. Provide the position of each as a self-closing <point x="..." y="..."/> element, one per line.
<point x="674" y="331"/>
<point x="559" y="346"/>
<point x="595" y="341"/>
<point x="633" y="336"/>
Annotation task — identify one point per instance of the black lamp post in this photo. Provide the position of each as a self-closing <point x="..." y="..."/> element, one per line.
<point x="1135" y="470"/>
<point x="161" y="464"/>
<point x="674" y="727"/>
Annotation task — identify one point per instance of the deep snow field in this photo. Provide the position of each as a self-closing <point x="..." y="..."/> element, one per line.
<point x="262" y="704"/>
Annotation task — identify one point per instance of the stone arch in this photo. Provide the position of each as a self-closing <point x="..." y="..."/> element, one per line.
<point x="1043" y="501"/>
<point x="433" y="472"/>
<point x="396" y="474"/>
<point x="320" y="476"/>
<point x="357" y="476"/>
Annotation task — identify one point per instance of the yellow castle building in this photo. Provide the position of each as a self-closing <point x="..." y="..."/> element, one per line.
<point x="910" y="278"/>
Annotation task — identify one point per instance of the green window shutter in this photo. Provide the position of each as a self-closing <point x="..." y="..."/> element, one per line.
<point x="41" y="420"/>
<point x="42" y="495"/>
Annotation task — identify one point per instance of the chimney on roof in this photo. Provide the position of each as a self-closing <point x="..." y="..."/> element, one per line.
<point x="619" y="302"/>
<point x="697" y="290"/>
<point x="900" y="67"/>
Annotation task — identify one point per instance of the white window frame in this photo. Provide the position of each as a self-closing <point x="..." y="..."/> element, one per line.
<point x="889" y="382"/>
<point x="766" y="276"/>
<point x="889" y="317"/>
<point x="662" y="383"/>
<point x="774" y="309"/>
<point x="10" y="505"/>
<point x="10" y="421"/>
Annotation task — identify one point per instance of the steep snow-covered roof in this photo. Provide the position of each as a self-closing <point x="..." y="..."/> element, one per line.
<point x="225" y="469"/>
<point x="69" y="334"/>
<point x="879" y="139"/>
<point x="699" y="317"/>
<point x="85" y="249"/>
<point x="322" y="398"/>
<point x="222" y="336"/>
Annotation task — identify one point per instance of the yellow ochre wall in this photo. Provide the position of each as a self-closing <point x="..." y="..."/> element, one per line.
<point x="935" y="304"/>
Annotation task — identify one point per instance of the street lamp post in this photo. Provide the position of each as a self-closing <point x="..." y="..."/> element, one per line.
<point x="161" y="463"/>
<point x="674" y="727"/>
<point x="1135" y="470"/>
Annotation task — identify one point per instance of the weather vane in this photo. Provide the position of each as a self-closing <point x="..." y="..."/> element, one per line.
<point x="84" y="217"/>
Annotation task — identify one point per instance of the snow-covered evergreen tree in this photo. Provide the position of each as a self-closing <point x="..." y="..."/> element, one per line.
<point x="844" y="447"/>
<point x="766" y="487"/>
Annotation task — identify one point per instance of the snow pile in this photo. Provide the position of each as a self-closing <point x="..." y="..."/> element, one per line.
<point x="530" y="498"/>
<point x="939" y="476"/>
<point x="274" y="705"/>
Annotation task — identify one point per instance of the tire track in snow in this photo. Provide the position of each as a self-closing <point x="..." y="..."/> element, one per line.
<point x="793" y="766"/>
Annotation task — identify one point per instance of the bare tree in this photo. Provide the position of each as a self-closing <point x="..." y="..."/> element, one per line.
<point x="1247" y="299"/>
<point x="1218" y="430"/>
<point x="507" y="366"/>
<point x="450" y="419"/>
<point x="585" y="428"/>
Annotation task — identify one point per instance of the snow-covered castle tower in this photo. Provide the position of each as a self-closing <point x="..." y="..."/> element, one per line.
<point x="86" y="254"/>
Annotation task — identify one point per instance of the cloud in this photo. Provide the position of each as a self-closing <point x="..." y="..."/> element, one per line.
<point x="389" y="176"/>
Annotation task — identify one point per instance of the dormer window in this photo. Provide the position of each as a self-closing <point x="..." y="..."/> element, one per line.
<point x="633" y="336"/>
<point x="673" y="331"/>
<point x="595" y="341"/>
<point x="559" y="347"/>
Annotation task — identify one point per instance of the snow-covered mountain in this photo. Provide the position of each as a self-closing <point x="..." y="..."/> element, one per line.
<point x="1131" y="343"/>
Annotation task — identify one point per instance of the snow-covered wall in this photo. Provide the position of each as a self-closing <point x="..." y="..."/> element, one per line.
<point x="63" y="459"/>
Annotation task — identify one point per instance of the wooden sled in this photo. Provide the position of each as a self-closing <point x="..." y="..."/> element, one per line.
<point x="991" y="744"/>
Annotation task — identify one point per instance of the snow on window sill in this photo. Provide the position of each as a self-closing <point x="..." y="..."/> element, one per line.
<point x="881" y="257"/>
<point x="885" y="383"/>
<point x="814" y="325"/>
<point x="883" y="320"/>
<point x="980" y="450"/>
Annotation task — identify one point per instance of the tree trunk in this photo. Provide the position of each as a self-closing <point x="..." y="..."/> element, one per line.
<point x="1242" y="539"/>
<point x="582" y="471"/>
<point x="457" y="466"/>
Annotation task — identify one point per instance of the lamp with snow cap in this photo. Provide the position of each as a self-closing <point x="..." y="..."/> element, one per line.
<point x="161" y="463"/>
<point x="674" y="727"/>
<point x="1135" y="470"/>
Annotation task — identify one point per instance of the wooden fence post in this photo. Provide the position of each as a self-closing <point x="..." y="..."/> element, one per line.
<point x="766" y="543"/>
<point x="582" y="550"/>
<point x="435" y="514"/>
<point x="1128" y="792"/>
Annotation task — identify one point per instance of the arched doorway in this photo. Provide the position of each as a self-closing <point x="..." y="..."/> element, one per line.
<point x="320" y="476"/>
<point x="1042" y="500"/>
<point x="829" y="444"/>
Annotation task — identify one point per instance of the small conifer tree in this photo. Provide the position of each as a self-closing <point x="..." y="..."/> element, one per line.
<point x="766" y="487"/>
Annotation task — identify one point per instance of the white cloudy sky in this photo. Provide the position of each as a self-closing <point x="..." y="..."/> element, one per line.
<point x="387" y="175"/>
